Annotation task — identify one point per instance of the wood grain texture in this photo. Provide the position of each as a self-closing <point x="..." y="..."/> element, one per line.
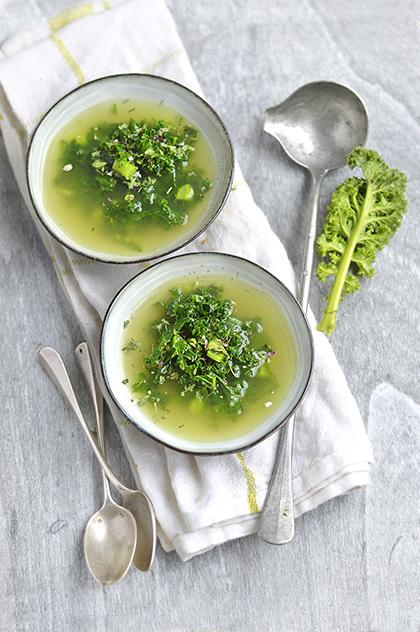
<point x="248" y="56"/>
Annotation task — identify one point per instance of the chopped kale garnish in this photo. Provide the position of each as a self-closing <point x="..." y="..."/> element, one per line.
<point x="204" y="348"/>
<point x="137" y="172"/>
<point x="131" y="345"/>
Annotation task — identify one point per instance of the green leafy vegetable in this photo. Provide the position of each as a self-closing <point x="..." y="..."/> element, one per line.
<point x="137" y="171"/>
<point x="362" y="216"/>
<point x="131" y="345"/>
<point x="203" y="347"/>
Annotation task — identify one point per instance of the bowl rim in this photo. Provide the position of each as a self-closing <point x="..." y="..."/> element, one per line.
<point x="278" y="425"/>
<point x="170" y="250"/>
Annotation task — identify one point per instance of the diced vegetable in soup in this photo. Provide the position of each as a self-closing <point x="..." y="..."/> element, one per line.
<point x="208" y="359"/>
<point x="128" y="177"/>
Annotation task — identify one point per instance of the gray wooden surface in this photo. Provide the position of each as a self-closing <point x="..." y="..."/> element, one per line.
<point x="339" y="574"/>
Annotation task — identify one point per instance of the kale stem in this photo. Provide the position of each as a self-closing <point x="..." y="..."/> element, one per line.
<point x="328" y="321"/>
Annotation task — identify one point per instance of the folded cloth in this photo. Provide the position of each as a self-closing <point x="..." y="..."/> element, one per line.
<point x="199" y="501"/>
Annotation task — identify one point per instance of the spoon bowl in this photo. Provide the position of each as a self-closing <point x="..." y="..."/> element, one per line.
<point x="110" y="542"/>
<point x="140" y="507"/>
<point x="318" y="125"/>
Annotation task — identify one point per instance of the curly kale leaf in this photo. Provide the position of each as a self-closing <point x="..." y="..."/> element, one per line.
<point x="362" y="216"/>
<point x="204" y="348"/>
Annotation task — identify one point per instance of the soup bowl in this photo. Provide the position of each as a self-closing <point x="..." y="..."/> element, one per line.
<point x="138" y="88"/>
<point x="133" y="299"/>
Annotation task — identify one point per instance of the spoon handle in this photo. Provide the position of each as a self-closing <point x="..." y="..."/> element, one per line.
<point x="54" y="366"/>
<point x="84" y="361"/>
<point x="277" y="520"/>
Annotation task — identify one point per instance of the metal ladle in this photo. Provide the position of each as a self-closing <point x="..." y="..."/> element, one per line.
<point x="110" y="536"/>
<point x="135" y="501"/>
<point x="317" y="126"/>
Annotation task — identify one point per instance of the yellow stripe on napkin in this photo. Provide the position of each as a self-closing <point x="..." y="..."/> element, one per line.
<point x="162" y="61"/>
<point x="69" y="58"/>
<point x="66" y="17"/>
<point x="250" y="484"/>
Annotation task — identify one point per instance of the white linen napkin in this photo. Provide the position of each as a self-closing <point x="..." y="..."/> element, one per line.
<point x="204" y="501"/>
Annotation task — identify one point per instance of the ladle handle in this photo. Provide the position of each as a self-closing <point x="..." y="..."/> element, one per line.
<point x="54" y="366"/>
<point x="305" y="281"/>
<point x="277" y="520"/>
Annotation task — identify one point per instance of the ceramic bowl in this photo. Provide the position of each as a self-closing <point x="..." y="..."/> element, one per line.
<point x="149" y="88"/>
<point x="137" y="291"/>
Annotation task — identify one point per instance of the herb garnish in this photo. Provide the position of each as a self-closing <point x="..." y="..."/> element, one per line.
<point x="137" y="171"/>
<point x="131" y="345"/>
<point x="204" y="348"/>
<point x="363" y="214"/>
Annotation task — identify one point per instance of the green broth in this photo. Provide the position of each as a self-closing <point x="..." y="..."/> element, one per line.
<point x="266" y="391"/>
<point x="81" y="216"/>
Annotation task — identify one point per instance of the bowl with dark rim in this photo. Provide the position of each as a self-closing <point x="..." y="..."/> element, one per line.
<point x="150" y="89"/>
<point x="142" y="287"/>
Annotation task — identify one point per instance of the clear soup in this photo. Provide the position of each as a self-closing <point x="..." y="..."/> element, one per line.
<point x="77" y="207"/>
<point x="178" y="414"/>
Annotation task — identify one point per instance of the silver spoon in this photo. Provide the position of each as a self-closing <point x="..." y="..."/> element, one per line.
<point x="135" y="501"/>
<point x="111" y="533"/>
<point x="317" y="126"/>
